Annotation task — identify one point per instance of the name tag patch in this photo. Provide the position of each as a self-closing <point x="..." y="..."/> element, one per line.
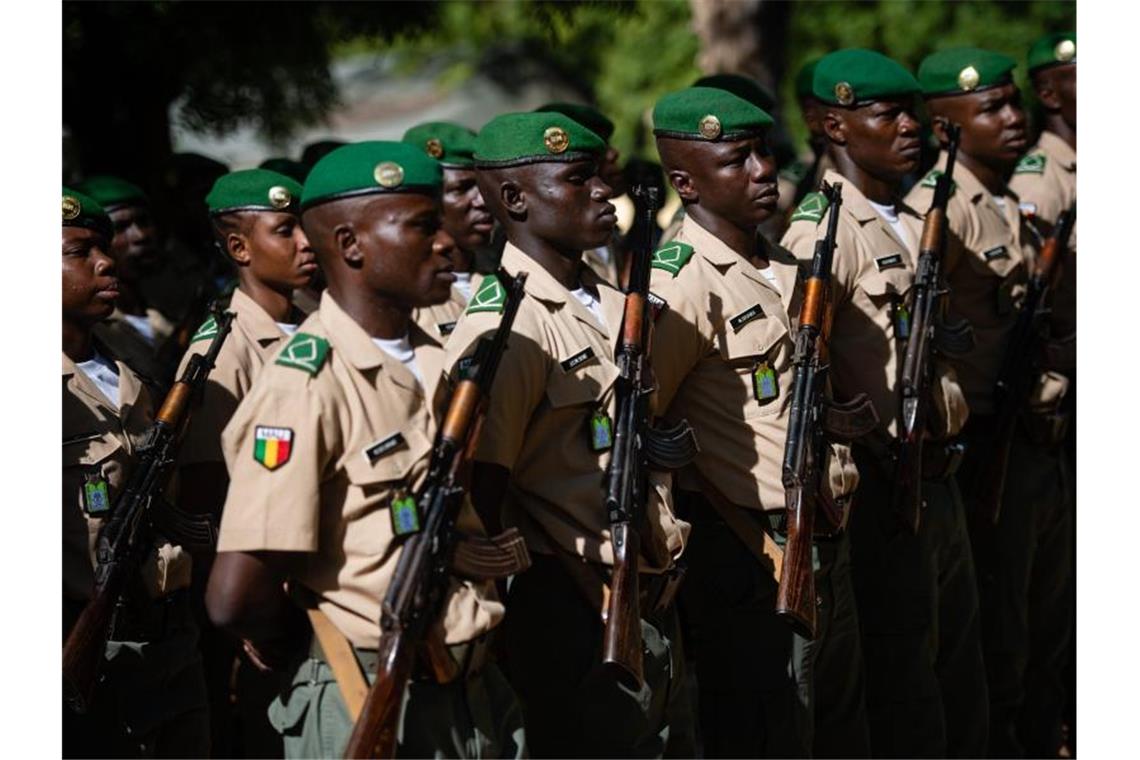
<point x="383" y="446"/>
<point x="893" y="261"/>
<point x="996" y="253"/>
<point x="657" y="304"/>
<point x="578" y="359"/>
<point x="746" y="316"/>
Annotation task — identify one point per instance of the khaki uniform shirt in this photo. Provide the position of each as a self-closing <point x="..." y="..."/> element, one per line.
<point x="100" y="441"/>
<point x="723" y="318"/>
<point x="253" y="340"/>
<point x="557" y="372"/>
<point x="1046" y="182"/>
<point x="872" y="274"/>
<point x="350" y="436"/>
<point x="604" y="263"/>
<point x="439" y="321"/>
<point x="987" y="252"/>
<point x="125" y="341"/>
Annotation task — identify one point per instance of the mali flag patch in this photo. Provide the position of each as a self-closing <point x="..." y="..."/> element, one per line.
<point x="272" y="446"/>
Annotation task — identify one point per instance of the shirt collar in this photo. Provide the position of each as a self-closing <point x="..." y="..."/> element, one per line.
<point x="708" y="245"/>
<point x="254" y="320"/>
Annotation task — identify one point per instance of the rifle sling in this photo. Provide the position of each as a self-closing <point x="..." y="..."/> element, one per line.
<point x="762" y="546"/>
<point x="342" y="660"/>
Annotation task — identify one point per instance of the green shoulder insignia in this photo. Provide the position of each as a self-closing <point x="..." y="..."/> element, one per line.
<point x="1033" y="163"/>
<point x="304" y="351"/>
<point x="491" y="296"/>
<point x="811" y="208"/>
<point x="208" y="330"/>
<point x="672" y="257"/>
<point x="931" y="179"/>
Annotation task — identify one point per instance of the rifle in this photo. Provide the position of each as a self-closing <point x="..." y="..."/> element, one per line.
<point x="138" y="514"/>
<point x="418" y="588"/>
<point x="637" y="445"/>
<point x="805" y="446"/>
<point x="928" y="333"/>
<point x="1018" y="371"/>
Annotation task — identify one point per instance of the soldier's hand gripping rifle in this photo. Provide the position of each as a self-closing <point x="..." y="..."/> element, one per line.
<point x="1020" y="367"/>
<point x="805" y="446"/>
<point x="418" y="589"/>
<point x="637" y="445"/>
<point x="138" y="514"/>
<point x="929" y="332"/>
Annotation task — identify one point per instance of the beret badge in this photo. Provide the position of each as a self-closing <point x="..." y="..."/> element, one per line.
<point x="709" y="127"/>
<point x="968" y="78"/>
<point x="556" y="140"/>
<point x="388" y="174"/>
<point x="71" y="208"/>
<point x="434" y="148"/>
<point x="279" y="197"/>
<point x="1065" y="51"/>
<point x="844" y="95"/>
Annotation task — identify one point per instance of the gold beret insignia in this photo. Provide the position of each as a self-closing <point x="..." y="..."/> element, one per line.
<point x="71" y="208"/>
<point x="709" y="127"/>
<point x="279" y="197"/>
<point x="968" y="78"/>
<point x="1065" y="51"/>
<point x="844" y="95"/>
<point x="556" y="139"/>
<point x="434" y="148"/>
<point x="388" y="174"/>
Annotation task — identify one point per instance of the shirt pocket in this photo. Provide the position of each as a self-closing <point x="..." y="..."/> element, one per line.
<point x="379" y="467"/>
<point x="580" y="379"/>
<point x="90" y="454"/>
<point x="746" y="349"/>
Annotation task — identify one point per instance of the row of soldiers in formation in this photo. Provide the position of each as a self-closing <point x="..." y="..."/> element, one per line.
<point x="950" y="642"/>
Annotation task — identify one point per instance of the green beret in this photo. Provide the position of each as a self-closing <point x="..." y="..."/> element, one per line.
<point x="804" y="78"/>
<point x="856" y="76"/>
<point x="371" y="167"/>
<point x="1053" y="50"/>
<point x="707" y="113"/>
<point x="587" y="116"/>
<point x="81" y="210"/>
<point x="961" y="70"/>
<point x="112" y="192"/>
<point x="253" y="190"/>
<point x="512" y="139"/>
<point x="286" y="166"/>
<point x="740" y="86"/>
<point x="447" y="142"/>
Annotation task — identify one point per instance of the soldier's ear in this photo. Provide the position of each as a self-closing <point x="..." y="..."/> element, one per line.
<point x="1046" y="92"/>
<point x="513" y="197"/>
<point x="347" y="246"/>
<point x="683" y="183"/>
<point x="237" y="249"/>
<point x="938" y="125"/>
<point x="834" y="128"/>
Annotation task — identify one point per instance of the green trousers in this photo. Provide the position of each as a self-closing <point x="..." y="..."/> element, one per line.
<point x="1024" y="572"/>
<point x="918" y="615"/>
<point x="472" y="717"/>
<point x="552" y="640"/>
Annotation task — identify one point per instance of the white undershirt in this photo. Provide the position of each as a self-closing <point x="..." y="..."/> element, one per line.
<point x="463" y="284"/>
<point x="401" y="350"/>
<point x="287" y="328"/>
<point x="891" y="216"/>
<point x="587" y="299"/>
<point x="603" y="253"/>
<point x="142" y="325"/>
<point x="999" y="201"/>
<point x="101" y="371"/>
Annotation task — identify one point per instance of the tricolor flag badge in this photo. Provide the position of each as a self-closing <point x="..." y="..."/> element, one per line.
<point x="272" y="446"/>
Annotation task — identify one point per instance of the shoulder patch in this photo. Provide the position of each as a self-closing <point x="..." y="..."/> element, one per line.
<point x="491" y="296"/>
<point x="1033" y="163"/>
<point x="672" y="257"/>
<point x="812" y="208"/>
<point x="304" y="351"/>
<point x="931" y="179"/>
<point x="207" y="330"/>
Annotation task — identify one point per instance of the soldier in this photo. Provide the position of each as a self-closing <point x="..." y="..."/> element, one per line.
<point x="545" y="448"/>
<point x="256" y="218"/>
<point x="722" y="358"/>
<point x="136" y="330"/>
<point x="151" y="700"/>
<point x="331" y="433"/>
<point x="465" y="216"/>
<point x="985" y="268"/>
<point x="607" y="260"/>
<point x="916" y="594"/>
<point x="807" y="175"/>
<point x="1045" y="181"/>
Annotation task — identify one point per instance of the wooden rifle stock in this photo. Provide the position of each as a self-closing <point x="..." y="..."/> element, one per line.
<point x="377" y="728"/>
<point x="804" y="449"/>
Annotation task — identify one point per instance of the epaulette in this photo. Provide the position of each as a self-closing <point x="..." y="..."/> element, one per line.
<point x="795" y="172"/>
<point x="304" y="351"/>
<point x="1032" y="163"/>
<point x="931" y="179"/>
<point x="812" y="208"/>
<point x="491" y="296"/>
<point x="206" y="330"/>
<point x="672" y="257"/>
